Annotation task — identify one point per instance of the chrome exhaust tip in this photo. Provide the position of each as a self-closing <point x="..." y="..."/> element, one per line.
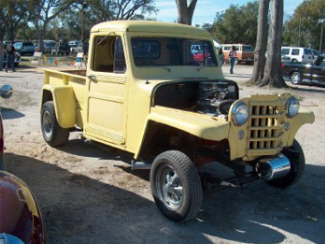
<point x="273" y="168"/>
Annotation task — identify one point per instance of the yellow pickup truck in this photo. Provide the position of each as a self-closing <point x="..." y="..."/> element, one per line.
<point x="156" y="90"/>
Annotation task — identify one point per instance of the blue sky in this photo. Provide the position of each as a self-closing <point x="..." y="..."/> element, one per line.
<point x="206" y="9"/>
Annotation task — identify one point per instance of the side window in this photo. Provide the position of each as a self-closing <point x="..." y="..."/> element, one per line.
<point x="108" y="54"/>
<point x="307" y="51"/>
<point x="295" y="51"/>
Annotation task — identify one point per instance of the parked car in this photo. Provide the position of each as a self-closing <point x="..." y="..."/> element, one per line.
<point x="63" y="48"/>
<point x="245" y="53"/>
<point x="143" y="94"/>
<point x="298" y="54"/>
<point x="306" y="74"/>
<point x="25" y="48"/>
<point x="49" y="46"/>
<point x="20" y="217"/>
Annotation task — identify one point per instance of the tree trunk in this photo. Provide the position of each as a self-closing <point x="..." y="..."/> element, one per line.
<point x="11" y="33"/>
<point x="185" y="11"/>
<point x="261" y="41"/>
<point x="41" y="36"/>
<point x="273" y="73"/>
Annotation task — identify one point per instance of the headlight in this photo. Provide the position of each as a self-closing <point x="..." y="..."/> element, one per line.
<point x="239" y="113"/>
<point x="292" y="107"/>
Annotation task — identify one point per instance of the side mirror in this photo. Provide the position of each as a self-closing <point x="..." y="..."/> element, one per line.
<point x="6" y="91"/>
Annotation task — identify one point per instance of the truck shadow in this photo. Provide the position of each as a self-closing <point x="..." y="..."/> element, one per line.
<point x="79" y="209"/>
<point x="256" y="213"/>
<point x="92" y="149"/>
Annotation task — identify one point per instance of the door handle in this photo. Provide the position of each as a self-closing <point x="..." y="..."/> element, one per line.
<point x="92" y="77"/>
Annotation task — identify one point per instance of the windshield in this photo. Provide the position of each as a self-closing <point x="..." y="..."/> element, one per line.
<point x="285" y="51"/>
<point x="49" y="44"/>
<point x="28" y="44"/>
<point x="162" y="51"/>
<point x="18" y="45"/>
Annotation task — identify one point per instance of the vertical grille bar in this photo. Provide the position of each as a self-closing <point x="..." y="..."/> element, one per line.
<point x="264" y="131"/>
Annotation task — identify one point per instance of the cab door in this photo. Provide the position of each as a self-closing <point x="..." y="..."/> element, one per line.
<point x="107" y="90"/>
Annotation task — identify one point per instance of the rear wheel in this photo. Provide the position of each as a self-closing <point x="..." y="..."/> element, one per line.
<point x="176" y="186"/>
<point x="53" y="134"/>
<point x="296" y="157"/>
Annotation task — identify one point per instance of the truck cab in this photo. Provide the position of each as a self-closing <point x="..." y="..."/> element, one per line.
<point x="145" y="91"/>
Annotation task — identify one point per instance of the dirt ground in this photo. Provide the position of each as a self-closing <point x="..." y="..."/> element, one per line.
<point x="88" y="194"/>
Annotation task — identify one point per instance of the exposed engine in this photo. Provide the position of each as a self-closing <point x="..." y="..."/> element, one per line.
<point x="209" y="97"/>
<point x="216" y="97"/>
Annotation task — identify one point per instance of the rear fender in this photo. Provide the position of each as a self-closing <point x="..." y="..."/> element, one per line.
<point x="64" y="103"/>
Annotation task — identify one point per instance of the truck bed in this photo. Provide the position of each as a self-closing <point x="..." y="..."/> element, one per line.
<point x="76" y="79"/>
<point x="64" y="77"/>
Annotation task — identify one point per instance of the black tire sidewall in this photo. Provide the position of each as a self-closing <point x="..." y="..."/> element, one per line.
<point x="48" y="107"/>
<point x="58" y="134"/>
<point x="297" y="161"/>
<point x="183" y="212"/>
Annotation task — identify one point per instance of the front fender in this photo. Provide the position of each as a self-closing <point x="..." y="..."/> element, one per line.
<point x="296" y="122"/>
<point x="64" y="103"/>
<point x="200" y="125"/>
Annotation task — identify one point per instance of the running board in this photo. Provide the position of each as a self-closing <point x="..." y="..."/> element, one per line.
<point x="138" y="165"/>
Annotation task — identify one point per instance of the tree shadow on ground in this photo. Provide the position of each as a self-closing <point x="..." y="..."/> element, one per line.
<point x="9" y="113"/>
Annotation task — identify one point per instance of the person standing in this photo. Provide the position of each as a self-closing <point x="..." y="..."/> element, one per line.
<point x="2" y="55"/>
<point x="10" y="57"/>
<point x="233" y="58"/>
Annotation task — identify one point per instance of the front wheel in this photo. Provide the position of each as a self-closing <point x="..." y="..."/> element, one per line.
<point x="176" y="186"/>
<point x="53" y="134"/>
<point x="296" y="157"/>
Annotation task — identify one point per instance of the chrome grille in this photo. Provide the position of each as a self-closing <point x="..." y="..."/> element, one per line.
<point x="264" y="128"/>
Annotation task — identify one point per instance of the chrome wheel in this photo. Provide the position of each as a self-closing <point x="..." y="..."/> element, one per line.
<point x="48" y="124"/>
<point x="170" y="189"/>
<point x="295" y="78"/>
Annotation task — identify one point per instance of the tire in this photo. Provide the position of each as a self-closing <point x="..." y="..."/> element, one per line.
<point x="295" y="78"/>
<point x="174" y="170"/>
<point x="294" y="60"/>
<point x="297" y="162"/>
<point x="53" y="134"/>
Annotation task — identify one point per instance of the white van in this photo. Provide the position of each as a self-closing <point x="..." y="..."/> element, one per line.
<point x="297" y="54"/>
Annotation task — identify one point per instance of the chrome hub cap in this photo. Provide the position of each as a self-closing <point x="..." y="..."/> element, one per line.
<point x="47" y="124"/>
<point x="295" y="78"/>
<point x="170" y="189"/>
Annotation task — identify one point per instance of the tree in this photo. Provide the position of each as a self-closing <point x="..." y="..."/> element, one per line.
<point x="44" y="12"/>
<point x="238" y="24"/>
<point x="120" y="9"/>
<point x="304" y="28"/>
<point x="261" y="41"/>
<point x="185" y="11"/>
<point x="13" y="14"/>
<point x="273" y="74"/>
